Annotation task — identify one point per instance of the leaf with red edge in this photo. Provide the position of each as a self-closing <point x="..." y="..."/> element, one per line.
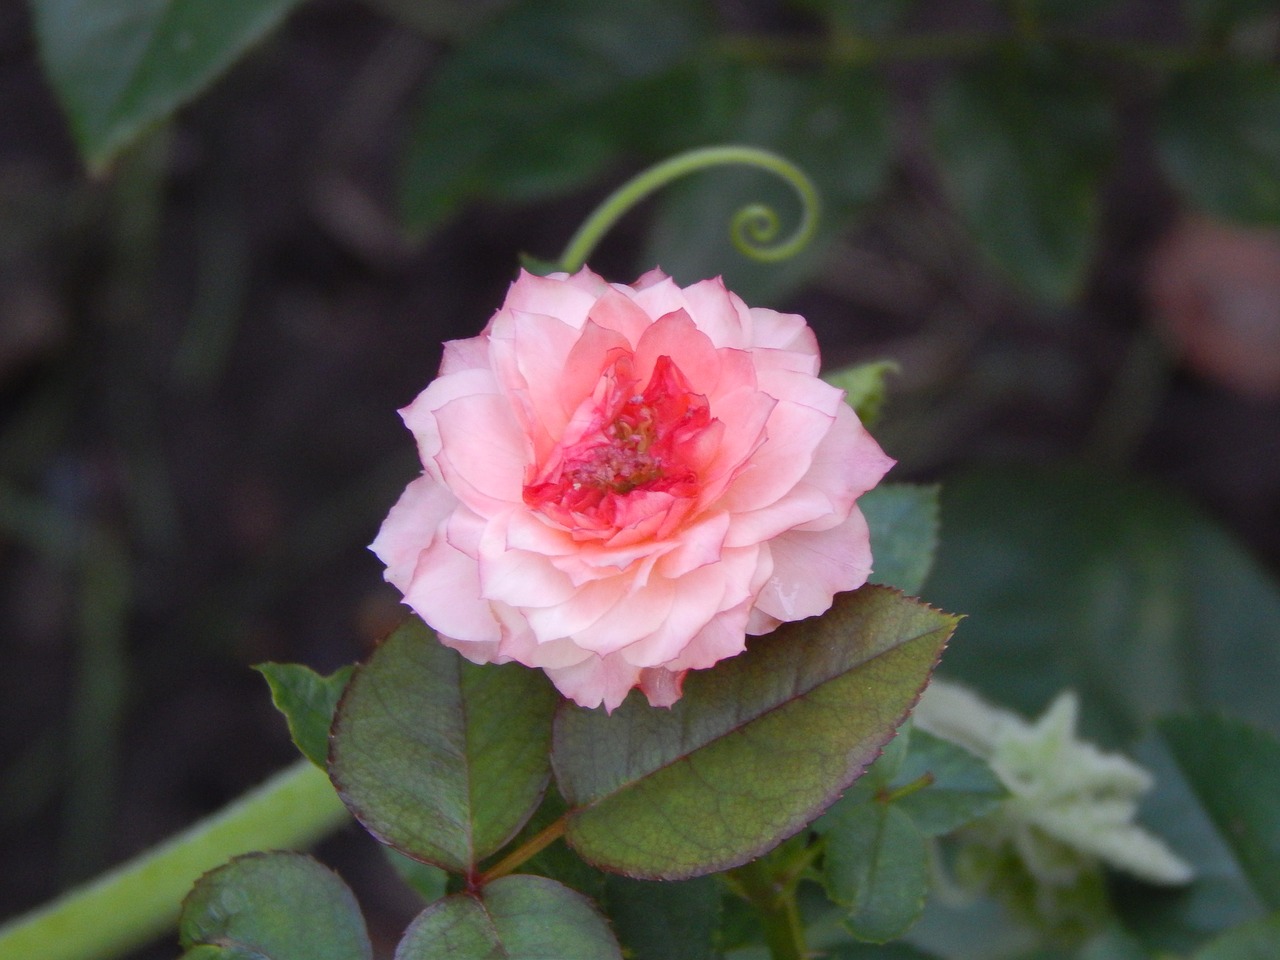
<point x="441" y="759"/>
<point x="756" y="748"/>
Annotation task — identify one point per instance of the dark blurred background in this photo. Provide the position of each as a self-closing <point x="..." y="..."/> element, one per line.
<point x="202" y="352"/>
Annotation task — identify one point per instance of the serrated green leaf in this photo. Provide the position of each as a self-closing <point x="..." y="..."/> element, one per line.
<point x="1218" y="134"/>
<point x="961" y="786"/>
<point x="1023" y="146"/>
<point x="119" y="68"/>
<point x="665" y="921"/>
<point x="1118" y="589"/>
<point x="875" y="863"/>
<point x="307" y="701"/>
<point x="1234" y="770"/>
<point x="273" y="906"/>
<point x="864" y="387"/>
<point x="530" y="104"/>
<point x="437" y="757"/>
<point x="754" y="750"/>
<point x="903" y="519"/>
<point x="1257" y="940"/>
<point x="1219" y="895"/>
<point x="515" y="918"/>
<point x="834" y="125"/>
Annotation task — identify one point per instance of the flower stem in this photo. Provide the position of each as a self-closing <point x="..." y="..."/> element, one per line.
<point x="526" y="851"/>
<point x="139" y="900"/>
<point x="773" y="895"/>
<point x="754" y="227"/>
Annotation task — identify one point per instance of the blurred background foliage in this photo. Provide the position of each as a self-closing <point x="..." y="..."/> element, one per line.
<point x="233" y="235"/>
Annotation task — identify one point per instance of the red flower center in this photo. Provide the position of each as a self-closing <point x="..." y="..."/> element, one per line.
<point x="638" y="443"/>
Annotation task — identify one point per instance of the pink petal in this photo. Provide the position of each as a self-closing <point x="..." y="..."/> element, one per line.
<point x="674" y="335"/>
<point x="566" y="298"/>
<point x="783" y="331"/>
<point x="483" y="454"/>
<point x="596" y="681"/>
<point x="415" y="520"/>
<point x="616" y="311"/>
<point x="718" y="314"/>
<point x="445" y="592"/>
<point x="809" y="569"/>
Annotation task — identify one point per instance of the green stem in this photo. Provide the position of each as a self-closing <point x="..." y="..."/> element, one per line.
<point x="774" y="898"/>
<point x="754" y="227"/>
<point x="526" y="851"/>
<point x="139" y="900"/>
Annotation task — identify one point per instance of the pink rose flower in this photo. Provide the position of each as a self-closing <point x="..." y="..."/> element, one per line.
<point x="622" y="482"/>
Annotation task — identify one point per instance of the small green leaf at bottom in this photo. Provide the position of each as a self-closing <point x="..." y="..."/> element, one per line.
<point x="515" y="918"/>
<point x="875" y="863"/>
<point x="272" y="906"/>
<point x="307" y="701"/>
<point x="438" y="757"/>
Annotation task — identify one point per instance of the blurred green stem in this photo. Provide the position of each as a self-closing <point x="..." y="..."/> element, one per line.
<point x="139" y="900"/>
<point x="754" y="227"/>
<point x="773" y="895"/>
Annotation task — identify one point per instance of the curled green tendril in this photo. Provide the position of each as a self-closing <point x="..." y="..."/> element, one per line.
<point x="754" y="228"/>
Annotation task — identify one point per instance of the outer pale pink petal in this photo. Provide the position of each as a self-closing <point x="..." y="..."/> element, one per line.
<point x="596" y="681"/>
<point x="792" y="435"/>
<point x="588" y="280"/>
<point x="528" y="358"/>
<point x="483" y="454"/>
<point x="802" y="504"/>
<point x="615" y="310"/>
<point x="568" y="298"/>
<point x="649" y="279"/>
<point x="469" y="354"/>
<point x="420" y="415"/>
<point x="520" y="645"/>
<point x="661" y="686"/>
<point x="724" y="636"/>
<point x="475" y="651"/>
<point x="661" y="298"/>
<point x="848" y="461"/>
<point x="634" y="616"/>
<point x="810" y="568"/>
<point x="718" y="314"/>
<point x="445" y="592"/>
<point x="591" y="601"/>
<point x="699" y="544"/>
<point x="415" y="520"/>
<point x="518" y="578"/>
<point x="784" y="331"/>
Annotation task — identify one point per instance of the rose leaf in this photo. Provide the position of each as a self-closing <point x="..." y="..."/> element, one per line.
<point x="1023" y="147"/>
<point x="1218" y="134"/>
<point x="875" y="863"/>
<point x="532" y="104"/>
<point x="119" y="68"/>
<point x="516" y="918"/>
<point x="1234" y="771"/>
<point x="272" y="906"/>
<point x="755" y="749"/>
<point x="961" y="787"/>
<point x="665" y="921"/>
<point x="307" y="701"/>
<point x="903" y="518"/>
<point x="437" y="757"/>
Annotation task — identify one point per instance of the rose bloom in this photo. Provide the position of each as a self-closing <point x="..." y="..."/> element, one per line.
<point x="622" y="482"/>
